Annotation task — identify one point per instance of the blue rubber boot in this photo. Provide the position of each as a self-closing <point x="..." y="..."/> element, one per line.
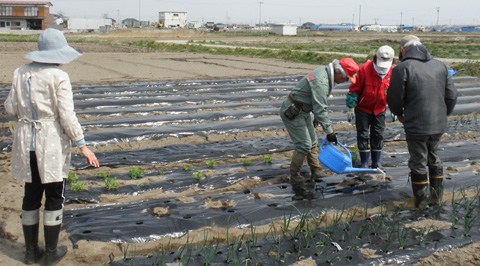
<point x="364" y="156"/>
<point x="376" y="155"/>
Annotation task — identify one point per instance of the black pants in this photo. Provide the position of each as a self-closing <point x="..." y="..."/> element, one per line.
<point x="54" y="192"/>
<point x="369" y="128"/>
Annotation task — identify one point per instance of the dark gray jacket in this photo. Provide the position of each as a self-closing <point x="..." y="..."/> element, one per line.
<point x="422" y="91"/>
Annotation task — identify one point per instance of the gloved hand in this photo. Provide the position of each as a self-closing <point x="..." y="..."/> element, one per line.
<point x="351" y="115"/>
<point x="332" y="138"/>
<point x="352" y="100"/>
<point x="315" y="123"/>
<point x="394" y="117"/>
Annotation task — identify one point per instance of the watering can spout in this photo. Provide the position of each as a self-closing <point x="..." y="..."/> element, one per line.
<point x="354" y="170"/>
<point x="339" y="162"/>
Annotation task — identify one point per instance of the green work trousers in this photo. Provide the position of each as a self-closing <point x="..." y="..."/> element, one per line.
<point x="300" y="129"/>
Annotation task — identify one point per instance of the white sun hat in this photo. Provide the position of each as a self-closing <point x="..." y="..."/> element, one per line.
<point x="385" y="56"/>
<point x="53" y="49"/>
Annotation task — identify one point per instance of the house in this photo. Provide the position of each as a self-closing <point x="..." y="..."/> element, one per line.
<point x="284" y="29"/>
<point x="89" y="24"/>
<point x="133" y="23"/>
<point x="24" y="15"/>
<point x="171" y="19"/>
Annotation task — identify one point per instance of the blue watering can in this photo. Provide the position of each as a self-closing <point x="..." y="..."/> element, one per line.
<point x="338" y="162"/>
<point x="452" y="72"/>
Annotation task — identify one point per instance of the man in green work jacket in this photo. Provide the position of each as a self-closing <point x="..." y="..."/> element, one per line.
<point x="310" y="96"/>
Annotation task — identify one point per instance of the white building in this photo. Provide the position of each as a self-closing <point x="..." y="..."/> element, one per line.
<point x="169" y="19"/>
<point x="88" y="24"/>
<point x="284" y="29"/>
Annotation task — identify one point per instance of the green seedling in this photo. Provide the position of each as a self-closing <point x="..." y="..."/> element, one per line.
<point x="72" y="177"/>
<point x="77" y="186"/>
<point x="161" y="172"/>
<point x="286" y="223"/>
<point x="354" y="153"/>
<point x="111" y="183"/>
<point x="338" y="216"/>
<point x="402" y="236"/>
<point x="362" y="230"/>
<point x="212" y="163"/>
<point x="129" y="256"/>
<point x="253" y="236"/>
<point x="350" y="216"/>
<point x="267" y="159"/>
<point x="469" y="217"/>
<point x="247" y="162"/>
<point x="102" y="175"/>
<point x="239" y="244"/>
<point x="187" y="167"/>
<point x="198" y="175"/>
<point x="136" y="172"/>
<point x="423" y="236"/>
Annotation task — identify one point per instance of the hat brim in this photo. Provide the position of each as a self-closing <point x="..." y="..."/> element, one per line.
<point x="384" y="64"/>
<point x="60" y="56"/>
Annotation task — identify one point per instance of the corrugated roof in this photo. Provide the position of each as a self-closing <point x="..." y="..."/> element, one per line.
<point x="25" y="3"/>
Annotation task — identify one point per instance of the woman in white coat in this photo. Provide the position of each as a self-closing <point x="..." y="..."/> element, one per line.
<point x="41" y="99"/>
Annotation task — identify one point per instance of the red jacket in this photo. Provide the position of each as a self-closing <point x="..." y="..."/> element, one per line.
<point x="371" y="89"/>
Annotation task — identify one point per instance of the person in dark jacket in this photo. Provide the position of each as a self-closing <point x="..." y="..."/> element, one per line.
<point x="368" y="96"/>
<point x="422" y="95"/>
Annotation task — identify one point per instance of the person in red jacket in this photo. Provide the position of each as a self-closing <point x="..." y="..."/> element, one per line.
<point x="368" y="97"/>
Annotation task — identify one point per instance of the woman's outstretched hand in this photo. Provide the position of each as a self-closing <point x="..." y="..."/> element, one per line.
<point x="91" y="158"/>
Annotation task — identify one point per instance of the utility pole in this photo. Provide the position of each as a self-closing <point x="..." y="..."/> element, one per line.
<point x="353" y="19"/>
<point x="401" y="17"/>
<point x="359" y="15"/>
<point x="438" y="15"/>
<point x="139" y="11"/>
<point x="260" y="17"/>
<point x="118" y="16"/>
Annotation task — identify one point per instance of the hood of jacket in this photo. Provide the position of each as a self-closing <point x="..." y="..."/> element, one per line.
<point x="418" y="52"/>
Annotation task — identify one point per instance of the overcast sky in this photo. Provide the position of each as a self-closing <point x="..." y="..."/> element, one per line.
<point x="408" y="12"/>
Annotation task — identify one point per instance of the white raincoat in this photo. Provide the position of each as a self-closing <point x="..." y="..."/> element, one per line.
<point x="51" y="96"/>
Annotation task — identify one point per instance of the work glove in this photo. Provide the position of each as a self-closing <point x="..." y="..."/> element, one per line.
<point x="394" y="117"/>
<point x="315" y="123"/>
<point x="332" y="138"/>
<point x="351" y="115"/>
<point x="352" y="100"/>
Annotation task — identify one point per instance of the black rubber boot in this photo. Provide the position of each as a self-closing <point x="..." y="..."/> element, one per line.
<point x="376" y="155"/>
<point x="53" y="254"/>
<point x="364" y="156"/>
<point x="436" y="185"/>
<point x="30" y="221"/>
<point x="33" y="252"/>
<point x="419" y="187"/>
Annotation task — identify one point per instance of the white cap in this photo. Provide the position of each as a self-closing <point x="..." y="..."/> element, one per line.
<point x="385" y="56"/>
